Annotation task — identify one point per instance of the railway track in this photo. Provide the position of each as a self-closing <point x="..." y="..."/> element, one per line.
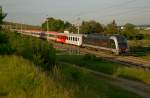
<point x="129" y="61"/>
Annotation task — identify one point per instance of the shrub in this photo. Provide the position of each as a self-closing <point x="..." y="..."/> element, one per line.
<point x="38" y="51"/>
<point x="3" y="38"/>
<point x="5" y="47"/>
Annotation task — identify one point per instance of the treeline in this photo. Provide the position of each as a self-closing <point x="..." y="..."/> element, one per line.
<point x="36" y="50"/>
<point x="53" y="24"/>
<point x="89" y="27"/>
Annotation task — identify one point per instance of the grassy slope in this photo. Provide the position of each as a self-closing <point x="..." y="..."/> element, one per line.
<point x="19" y="78"/>
<point x="107" y="67"/>
<point x="88" y="86"/>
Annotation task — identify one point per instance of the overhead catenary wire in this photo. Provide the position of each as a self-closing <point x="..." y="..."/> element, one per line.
<point x="106" y="8"/>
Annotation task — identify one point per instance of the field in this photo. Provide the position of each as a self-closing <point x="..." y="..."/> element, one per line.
<point x="141" y="48"/>
<point x="19" y="78"/>
<point x="145" y="32"/>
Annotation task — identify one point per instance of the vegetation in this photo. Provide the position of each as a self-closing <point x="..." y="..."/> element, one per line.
<point x="34" y="49"/>
<point x="146" y="34"/>
<point x="130" y="32"/>
<point x="89" y="27"/>
<point x="112" y="28"/>
<point x="21" y="79"/>
<point x="141" y="48"/>
<point x="107" y="67"/>
<point x="57" y="25"/>
<point x="2" y="16"/>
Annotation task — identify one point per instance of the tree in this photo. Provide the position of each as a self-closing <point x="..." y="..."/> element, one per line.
<point x="89" y="27"/>
<point x="112" y="28"/>
<point x="2" y="16"/>
<point x="57" y="25"/>
<point x="3" y="37"/>
<point x="129" y="31"/>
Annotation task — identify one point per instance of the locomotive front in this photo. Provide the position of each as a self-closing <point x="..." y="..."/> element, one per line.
<point x="122" y="44"/>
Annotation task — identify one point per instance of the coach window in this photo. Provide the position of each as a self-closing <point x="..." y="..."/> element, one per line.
<point x="75" y="39"/>
<point x="71" y="38"/>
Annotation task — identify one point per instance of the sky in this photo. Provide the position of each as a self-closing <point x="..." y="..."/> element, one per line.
<point x="35" y="12"/>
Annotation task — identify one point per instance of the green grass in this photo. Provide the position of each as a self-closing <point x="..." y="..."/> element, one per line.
<point x="142" y="43"/>
<point x="145" y="32"/>
<point x="107" y="67"/>
<point x="140" y="48"/>
<point x="19" y="78"/>
<point x="87" y="85"/>
<point x="147" y="57"/>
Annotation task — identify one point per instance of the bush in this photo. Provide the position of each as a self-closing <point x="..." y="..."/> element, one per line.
<point x="3" y="38"/>
<point x="139" y="36"/>
<point x="38" y="51"/>
<point x="5" y="47"/>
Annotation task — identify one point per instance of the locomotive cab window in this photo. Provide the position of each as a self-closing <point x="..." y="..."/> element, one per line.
<point x="112" y="44"/>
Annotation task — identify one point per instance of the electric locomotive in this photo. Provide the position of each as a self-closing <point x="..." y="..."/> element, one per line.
<point x="116" y="43"/>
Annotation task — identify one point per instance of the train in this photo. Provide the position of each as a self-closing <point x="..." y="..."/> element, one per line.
<point x="116" y="44"/>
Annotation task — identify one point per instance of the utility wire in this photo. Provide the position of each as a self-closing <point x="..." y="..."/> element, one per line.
<point x="106" y="8"/>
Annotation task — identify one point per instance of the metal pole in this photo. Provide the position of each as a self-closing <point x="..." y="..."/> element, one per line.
<point x="21" y="27"/>
<point x="47" y="25"/>
<point x="78" y="25"/>
<point x="78" y="29"/>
